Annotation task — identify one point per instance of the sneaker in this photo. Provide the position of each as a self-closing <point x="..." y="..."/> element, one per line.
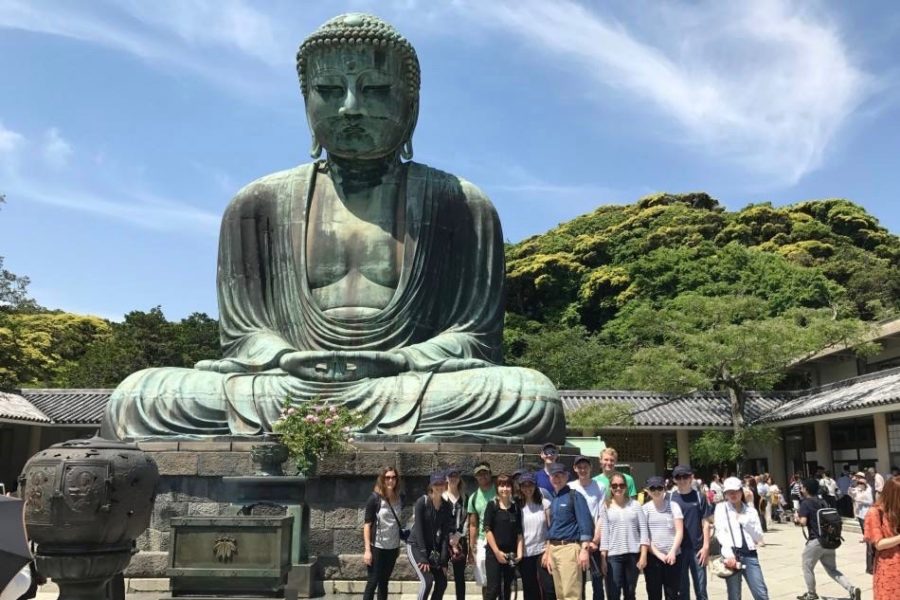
<point x="856" y="594"/>
<point x="808" y="596"/>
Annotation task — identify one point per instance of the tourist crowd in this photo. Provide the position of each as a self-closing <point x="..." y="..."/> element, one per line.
<point x="546" y="533"/>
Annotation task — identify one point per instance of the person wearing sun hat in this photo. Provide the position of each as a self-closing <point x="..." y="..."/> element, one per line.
<point x="739" y="532"/>
<point x="477" y="504"/>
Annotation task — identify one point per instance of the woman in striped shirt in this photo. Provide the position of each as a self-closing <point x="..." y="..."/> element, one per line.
<point x="624" y="540"/>
<point x="666" y="525"/>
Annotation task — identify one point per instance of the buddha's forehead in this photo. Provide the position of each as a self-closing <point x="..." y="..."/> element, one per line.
<point x="355" y="59"/>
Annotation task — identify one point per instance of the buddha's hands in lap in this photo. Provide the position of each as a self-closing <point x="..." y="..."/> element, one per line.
<point x="225" y="365"/>
<point x="342" y="366"/>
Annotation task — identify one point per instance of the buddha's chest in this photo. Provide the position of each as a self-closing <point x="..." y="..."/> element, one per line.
<point x="353" y="242"/>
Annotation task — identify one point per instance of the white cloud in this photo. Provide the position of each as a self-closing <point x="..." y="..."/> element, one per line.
<point x="39" y="172"/>
<point x="764" y="84"/>
<point x="56" y="149"/>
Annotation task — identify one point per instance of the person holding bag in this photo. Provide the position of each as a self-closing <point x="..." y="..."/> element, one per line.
<point x="382" y="533"/>
<point x="456" y="496"/>
<point x="428" y="549"/>
<point x="739" y="532"/>
<point x="505" y="545"/>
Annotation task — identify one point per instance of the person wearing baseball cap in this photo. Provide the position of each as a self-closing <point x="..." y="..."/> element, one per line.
<point x="697" y="513"/>
<point x="478" y="503"/>
<point x="455" y="494"/>
<point x="568" y="540"/>
<point x="549" y="455"/>
<point x="537" y="583"/>
<point x="808" y="516"/>
<point x="428" y="549"/>
<point x="739" y="532"/>
<point x="665" y="522"/>
<point x="593" y="493"/>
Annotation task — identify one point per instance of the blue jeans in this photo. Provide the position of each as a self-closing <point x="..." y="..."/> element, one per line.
<point x="752" y="572"/>
<point x="690" y="564"/>
<point x="621" y="576"/>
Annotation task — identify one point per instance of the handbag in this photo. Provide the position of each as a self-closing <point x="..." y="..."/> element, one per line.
<point x="717" y="565"/>
<point x="404" y="532"/>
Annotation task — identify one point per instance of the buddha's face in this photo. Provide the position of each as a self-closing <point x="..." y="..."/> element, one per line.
<point x="357" y="103"/>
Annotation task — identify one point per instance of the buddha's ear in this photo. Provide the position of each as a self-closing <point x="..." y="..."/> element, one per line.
<point x="406" y="151"/>
<point x="315" y="150"/>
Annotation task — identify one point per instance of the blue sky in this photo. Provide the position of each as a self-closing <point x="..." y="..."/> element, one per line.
<point x="125" y="127"/>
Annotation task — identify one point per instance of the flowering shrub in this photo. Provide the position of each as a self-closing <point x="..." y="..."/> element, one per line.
<point x="315" y="430"/>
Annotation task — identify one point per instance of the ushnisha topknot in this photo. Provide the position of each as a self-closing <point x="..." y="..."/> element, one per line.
<point x="360" y="28"/>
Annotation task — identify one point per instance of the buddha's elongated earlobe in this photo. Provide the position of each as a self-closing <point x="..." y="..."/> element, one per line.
<point x="316" y="150"/>
<point x="406" y="151"/>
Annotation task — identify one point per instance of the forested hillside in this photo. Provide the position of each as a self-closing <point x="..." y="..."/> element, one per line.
<point x="626" y="284"/>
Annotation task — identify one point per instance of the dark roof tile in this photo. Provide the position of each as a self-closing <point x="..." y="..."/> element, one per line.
<point x="69" y="406"/>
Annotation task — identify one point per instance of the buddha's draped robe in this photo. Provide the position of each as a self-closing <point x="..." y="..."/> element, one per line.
<point x="448" y="305"/>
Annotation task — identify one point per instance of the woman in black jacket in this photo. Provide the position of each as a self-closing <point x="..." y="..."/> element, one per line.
<point x="456" y="496"/>
<point x="428" y="548"/>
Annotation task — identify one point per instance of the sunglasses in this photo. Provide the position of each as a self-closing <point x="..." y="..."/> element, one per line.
<point x="390" y="477"/>
<point x="617" y="486"/>
<point x="656" y="489"/>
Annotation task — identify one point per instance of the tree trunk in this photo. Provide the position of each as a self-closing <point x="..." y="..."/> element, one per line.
<point x="737" y="400"/>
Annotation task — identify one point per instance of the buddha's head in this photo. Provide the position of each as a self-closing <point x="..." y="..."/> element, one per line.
<point x="360" y="81"/>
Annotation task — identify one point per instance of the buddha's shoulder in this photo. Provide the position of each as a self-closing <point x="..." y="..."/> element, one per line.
<point x="459" y="188"/>
<point x="268" y="189"/>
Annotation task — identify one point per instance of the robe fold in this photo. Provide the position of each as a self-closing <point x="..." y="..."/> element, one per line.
<point x="445" y="317"/>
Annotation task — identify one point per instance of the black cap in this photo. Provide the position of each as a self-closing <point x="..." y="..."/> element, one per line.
<point x="453" y="469"/>
<point x="656" y="481"/>
<point x="549" y="446"/>
<point x="682" y="470"/>
<point x="581" y="458"/>
<point x="557" y="468"/>
<point x="438" y="477"/>
<point x="526" y="477"/>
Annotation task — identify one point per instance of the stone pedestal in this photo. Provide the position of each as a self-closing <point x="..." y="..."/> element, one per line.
<point x="196" y="480"/>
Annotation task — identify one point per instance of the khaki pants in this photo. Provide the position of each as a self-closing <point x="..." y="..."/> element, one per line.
<point x="566" y="571"/>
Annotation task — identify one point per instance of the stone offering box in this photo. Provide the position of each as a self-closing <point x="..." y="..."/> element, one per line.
<point x="191" y="485"/>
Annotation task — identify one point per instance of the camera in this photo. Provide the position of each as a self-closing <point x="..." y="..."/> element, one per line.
<point x="510" y="558"/>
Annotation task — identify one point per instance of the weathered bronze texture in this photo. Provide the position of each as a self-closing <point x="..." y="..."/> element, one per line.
<point x="364" y="279"/>
<point x="229" y="556"/>
<point x="86" y="502"/>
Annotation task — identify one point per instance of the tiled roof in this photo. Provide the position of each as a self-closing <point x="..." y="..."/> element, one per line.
<point x="867" y="391"/>
<point x="13" y="406"/>
<point x="653" y="409"/>
<point x="69" y="406"/>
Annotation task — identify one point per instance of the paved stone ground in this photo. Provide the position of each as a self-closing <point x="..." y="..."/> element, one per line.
<point x="780" y="559"/>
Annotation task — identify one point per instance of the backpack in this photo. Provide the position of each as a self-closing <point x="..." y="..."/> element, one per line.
<point x="830" y="526"/>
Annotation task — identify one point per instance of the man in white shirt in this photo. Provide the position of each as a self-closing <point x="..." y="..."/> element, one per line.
<point x="593" y="493"/>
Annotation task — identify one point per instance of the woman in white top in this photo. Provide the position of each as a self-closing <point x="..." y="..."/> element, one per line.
<point x="739" y="532"/>
<point x="381" y="533"/>
<point x="537" y="583"/>
<point x="623" y="540"/>
<point x="665" y="522"/>
<point x="863" y="498"/>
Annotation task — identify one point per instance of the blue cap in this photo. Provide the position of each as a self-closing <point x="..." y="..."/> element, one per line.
<point x="557" y="468"/>
<point x="682" y="470"/>
<point x="439" y="477"/>
<point x="656" y="481"/>
<point x="526" y="477"/>
<point x="581" y="458"/>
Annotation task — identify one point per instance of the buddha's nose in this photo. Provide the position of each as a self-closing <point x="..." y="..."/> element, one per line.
<point x="350" y="105"/>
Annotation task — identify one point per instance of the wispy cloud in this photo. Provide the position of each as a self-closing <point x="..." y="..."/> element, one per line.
<point x="765" y="84"/>
<point x="46" y="169"/>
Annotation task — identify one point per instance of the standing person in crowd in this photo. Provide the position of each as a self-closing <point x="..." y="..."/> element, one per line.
<point x="844" y="501"/>
<point x="717" y="489"/>
<point x="381" y="533"/>
<point x="594" y="494"/>
<point x="608" y="459"/>
<point x="794" y="491"/>
<point x="537" y="583"/>
<point x="739" y="532"/>
<point x="828" y="489"/>
<point x="665" y="522"/>
<point x="882" y="530"/>
<point x="569" y="537"/>
<point x="762" y="488"/>
<point x="549" y="454"/>
<point x="697" y="513"/>
<point x="428" y="549"/>
<point x="478" y="502"/>
<point x="624" y="540"/>
<point x="814" y="551"/>
<point x="503" y="532"/>
<point x="876" y="482"/>
<point x="456" y="496"/>
<point x="863" y="499"/>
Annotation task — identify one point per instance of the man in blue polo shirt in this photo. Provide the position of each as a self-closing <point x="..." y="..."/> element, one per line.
<point x="695" y="543"/>
<point x="569" y="537"/>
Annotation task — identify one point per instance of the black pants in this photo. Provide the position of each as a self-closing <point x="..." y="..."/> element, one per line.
<point x="537" y="582"/>
<point x="596" y="577"/>
<point x="432" y="583"/>
<point x="459" y="578"/>
<point x="661" y="578"/>
<point x="379" y="573"/>
<point x="870" y="549"/>
<point x="499" y="578"/>
<point x="621" y="576"/>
